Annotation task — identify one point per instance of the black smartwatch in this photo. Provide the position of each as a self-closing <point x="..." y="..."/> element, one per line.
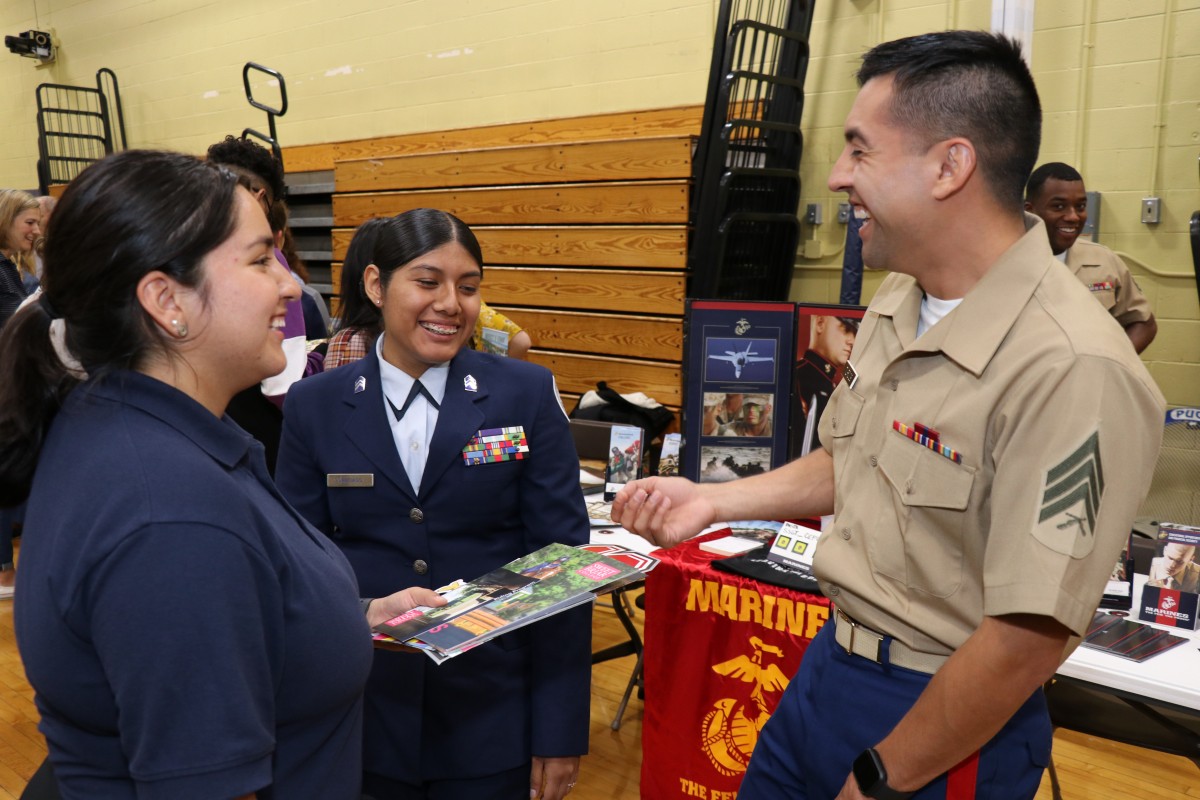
<point x="871" y="777"/>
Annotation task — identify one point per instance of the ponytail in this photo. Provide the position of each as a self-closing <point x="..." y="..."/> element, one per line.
<point x="36" y="384"/>
<point x="124" y="216"/>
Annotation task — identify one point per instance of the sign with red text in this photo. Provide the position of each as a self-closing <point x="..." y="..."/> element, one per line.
<point x="720" y="649"/>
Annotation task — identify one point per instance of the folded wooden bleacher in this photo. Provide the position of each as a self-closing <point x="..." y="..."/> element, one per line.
<point x="582" y="221"/>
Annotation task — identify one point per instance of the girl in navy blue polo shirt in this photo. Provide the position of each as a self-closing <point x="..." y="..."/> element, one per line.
<point x="186" y="633"/>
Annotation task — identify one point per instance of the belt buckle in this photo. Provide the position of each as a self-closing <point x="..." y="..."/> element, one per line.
<point x="853" y="627"/>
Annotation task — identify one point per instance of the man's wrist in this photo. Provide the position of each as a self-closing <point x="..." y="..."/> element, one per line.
<point x="365" y="602"/>
<point x="872" y="777"/>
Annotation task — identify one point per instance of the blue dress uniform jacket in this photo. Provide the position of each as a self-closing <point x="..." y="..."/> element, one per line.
<point x="520" y="695"/>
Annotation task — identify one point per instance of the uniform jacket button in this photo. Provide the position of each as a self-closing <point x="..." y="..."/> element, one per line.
<point x="416" y="515"/>
<point x="420" y="567"/>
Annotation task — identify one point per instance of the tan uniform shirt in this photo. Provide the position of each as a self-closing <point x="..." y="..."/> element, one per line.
<point x="1104" y="273"/>
<point x="1048" y="427"/>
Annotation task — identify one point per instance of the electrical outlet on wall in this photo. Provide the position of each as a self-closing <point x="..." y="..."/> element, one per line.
<point x="843" y="213"/>
<point x="812" y="214"/>
<point x="1151" y="210"/>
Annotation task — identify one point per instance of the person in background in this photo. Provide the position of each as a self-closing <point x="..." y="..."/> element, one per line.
<point x="1056" y="193"/>
<point x="20" y="228"/>
<point x="259" y="410"/>
<point x="358" y="322"/>
<point x="490" y="319"/>
<point x="984" y="462"/>
<point x="376" y="455"/>
<point x="316" y="313"/>
<point x="46" y="203"/>
<point x="185" y="632"/>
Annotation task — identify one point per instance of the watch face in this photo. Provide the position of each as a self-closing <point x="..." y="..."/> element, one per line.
<point x="867" y="772"/>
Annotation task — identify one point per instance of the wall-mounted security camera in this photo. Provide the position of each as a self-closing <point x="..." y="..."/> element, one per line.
<point x="32" y="44"/>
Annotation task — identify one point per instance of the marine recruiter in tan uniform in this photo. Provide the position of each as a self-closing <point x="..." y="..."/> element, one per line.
<point x="1056" y="193"/>
<point x="984" y="455"/>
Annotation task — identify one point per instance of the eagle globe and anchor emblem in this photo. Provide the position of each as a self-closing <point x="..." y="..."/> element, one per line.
<point x="730" y="730"/>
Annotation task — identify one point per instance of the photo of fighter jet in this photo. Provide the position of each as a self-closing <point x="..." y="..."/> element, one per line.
<point x="739" y="359"/>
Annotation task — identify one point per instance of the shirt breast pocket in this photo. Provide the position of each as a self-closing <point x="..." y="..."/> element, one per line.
<point x="931" y="497"/>
<point x="493" y="471"/>
<point x="843" y="411"/>
<point x="1107" y="296"/>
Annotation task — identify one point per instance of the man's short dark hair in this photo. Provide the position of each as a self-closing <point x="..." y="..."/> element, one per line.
<point x="971" y="84"/>
<point x="232" y="151"/>
<point x="1056" y="170"/>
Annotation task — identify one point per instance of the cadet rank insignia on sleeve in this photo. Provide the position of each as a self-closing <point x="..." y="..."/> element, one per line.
<point x="1070" y="501"/>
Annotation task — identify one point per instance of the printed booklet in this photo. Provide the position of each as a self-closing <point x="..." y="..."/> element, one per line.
<point x="1122" y="637"/>
<point x="533" y="587"/>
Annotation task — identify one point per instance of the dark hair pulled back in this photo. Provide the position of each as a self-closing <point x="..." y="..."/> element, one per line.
<point x="122" y="218"/>
<point x="357" y="311"/>
<point x="414" y="233"/>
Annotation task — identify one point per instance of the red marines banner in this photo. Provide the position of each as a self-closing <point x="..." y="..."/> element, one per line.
<point x="720" y="650"/>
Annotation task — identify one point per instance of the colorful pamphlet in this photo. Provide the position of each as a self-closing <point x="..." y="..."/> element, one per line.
<point x="624" y="459"/>
<point x="495" y="341"/>
<point x="668" y="457"/>
<point x="533" y="587"/>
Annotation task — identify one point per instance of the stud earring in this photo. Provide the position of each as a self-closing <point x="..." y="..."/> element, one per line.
<point x="181" y="328"/>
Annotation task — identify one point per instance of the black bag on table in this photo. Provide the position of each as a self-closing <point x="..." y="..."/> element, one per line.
<point x="617" y="409"/>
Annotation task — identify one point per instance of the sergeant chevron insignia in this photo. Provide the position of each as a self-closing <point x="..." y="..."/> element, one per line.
<point x="1071" y="494"/>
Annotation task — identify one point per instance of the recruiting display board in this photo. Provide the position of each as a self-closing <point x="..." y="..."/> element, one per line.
<point x="738" y="383"/>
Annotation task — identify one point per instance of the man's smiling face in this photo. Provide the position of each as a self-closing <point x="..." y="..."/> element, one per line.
<point x="1063" y="206"/>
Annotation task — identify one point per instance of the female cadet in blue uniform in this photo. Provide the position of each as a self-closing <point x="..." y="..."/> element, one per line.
<point x="389" y="482"/>
<point x="186" y="633"/>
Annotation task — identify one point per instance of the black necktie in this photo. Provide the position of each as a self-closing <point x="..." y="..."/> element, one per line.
<point x="417" y="388"/>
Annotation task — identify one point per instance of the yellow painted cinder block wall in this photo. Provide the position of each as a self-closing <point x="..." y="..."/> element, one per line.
<point x="1119" y="81"/>
<point x="354" y="68"/>
<point x="1120" y="87"/>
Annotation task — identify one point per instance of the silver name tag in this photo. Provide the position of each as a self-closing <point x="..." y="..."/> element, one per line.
<point x="350" y="480"/>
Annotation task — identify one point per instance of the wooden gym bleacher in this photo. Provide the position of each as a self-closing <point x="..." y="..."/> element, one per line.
<point x="582" y="221"/>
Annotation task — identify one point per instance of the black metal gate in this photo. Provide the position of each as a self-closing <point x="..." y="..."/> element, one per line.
<point x="76" y="127"/>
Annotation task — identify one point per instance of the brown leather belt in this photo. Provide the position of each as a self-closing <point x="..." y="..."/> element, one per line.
<point x="858" y="640"/>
